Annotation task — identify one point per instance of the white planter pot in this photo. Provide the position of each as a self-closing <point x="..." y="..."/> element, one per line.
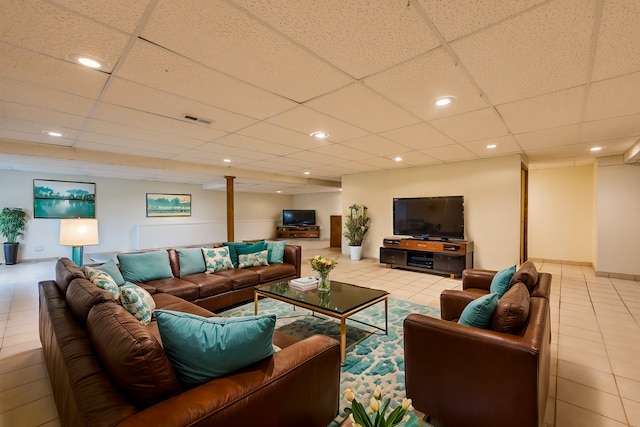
<point x="355" y="252"/>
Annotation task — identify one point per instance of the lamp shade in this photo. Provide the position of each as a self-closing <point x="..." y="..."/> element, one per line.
<point x="79" y="232"/>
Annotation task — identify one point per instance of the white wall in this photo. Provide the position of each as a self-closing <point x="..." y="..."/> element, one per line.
<point x="618" y="211"/>
<point x="122" y="221"/>
<point x="561" y="206"/>
<point x="491" y="190"/>
<point x="325" y="205"/>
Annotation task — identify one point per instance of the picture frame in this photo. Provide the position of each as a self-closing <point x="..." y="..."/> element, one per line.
<point x="168" y="205"/>
<point x="63" y="199"/>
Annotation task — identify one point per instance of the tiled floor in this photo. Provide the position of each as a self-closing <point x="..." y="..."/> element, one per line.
<point x="596" y="329"/>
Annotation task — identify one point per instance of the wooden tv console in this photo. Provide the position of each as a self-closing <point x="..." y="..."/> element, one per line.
<point x="289" y="231"/>
<point x="433" y="256"/>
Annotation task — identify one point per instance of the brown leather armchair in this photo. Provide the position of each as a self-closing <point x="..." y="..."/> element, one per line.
<point x="464" y="376"/>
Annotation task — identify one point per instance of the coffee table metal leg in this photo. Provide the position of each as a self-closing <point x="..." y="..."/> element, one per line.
<point x="255" y="303"/>
<point x="343" y="340"/>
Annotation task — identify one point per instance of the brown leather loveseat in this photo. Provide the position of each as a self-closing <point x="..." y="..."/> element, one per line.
<point x="107" y="369"/>
<point x="465" y="376"/>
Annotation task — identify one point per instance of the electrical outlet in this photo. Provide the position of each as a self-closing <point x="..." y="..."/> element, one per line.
<point x="39" y="248"/>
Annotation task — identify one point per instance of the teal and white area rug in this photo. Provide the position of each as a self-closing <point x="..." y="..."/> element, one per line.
<point x="373" y="358"/>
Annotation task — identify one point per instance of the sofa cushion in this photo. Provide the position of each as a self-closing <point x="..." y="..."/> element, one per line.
<point x="145" y="266"/>
<point x="217" y="259"/>
<point x="174" y="286"/>
<point x="201" y="349"/>
<point x="66" y="271"/>
<point x="132" y="356"/>
<point x="112" y="270"/>
<point x="255" y="259"/>
<point x="241" y="278"/>
<point x="209" y="284"/>
<point x="274" y="271"/>
<point x="501" y="280"/>
<point x="276" y="251"/>
<point x="479" y="311"/>
<point x="191" y="261"/>
<point x="512" y="310"/>
<point x="252" y="248"/>
<point x="526" y="274"/>
<point x="138" y="302"/>
<point x="82" y="295"/>
<point x="233" y="253"/>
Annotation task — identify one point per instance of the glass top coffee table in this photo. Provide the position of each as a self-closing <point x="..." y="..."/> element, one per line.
<point x="344" y="300"/>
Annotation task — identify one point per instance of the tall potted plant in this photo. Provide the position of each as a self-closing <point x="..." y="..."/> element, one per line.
<point x="12" y="224"/>
<point x="357" y="226"/>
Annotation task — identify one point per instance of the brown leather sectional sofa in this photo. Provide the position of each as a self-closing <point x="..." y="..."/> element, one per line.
<point x="107" y="369"/>
<point x="465" y="376"/>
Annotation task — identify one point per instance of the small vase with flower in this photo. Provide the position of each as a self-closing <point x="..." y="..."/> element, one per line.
<point x="323" y="266"/>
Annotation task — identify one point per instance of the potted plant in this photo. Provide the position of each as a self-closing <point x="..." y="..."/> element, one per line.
<point x="357" y="226"/>
<point x="12" y="224"/>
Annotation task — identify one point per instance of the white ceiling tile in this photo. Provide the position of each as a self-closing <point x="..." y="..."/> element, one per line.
<point x="122" y="146"/>
<point x="417" y="158"/>
<point x="47" y="118"/>
<point x="504" y="145"/>
<point x="306" y="120"/>
<point x="29" y="136"/>
<point x="156" y="67"/>
<point x="382" y="163"/>
<point x="602" y="130"/>
<point x="545" y="111"/>
<point x="618" y="50"/>
<point x="138" y="134"/>
<point x="542" y="50"/>
<point x="416" y="83"/>
<point x="455" y="18"/>
<point x="221" y="36"/>
<point x="226" y="152"/>
<point x="199" y="156"/>
<point x="450" y="153"/>
<point x="280" y="135"/>
<point x="341" y="153"/>
<point x="269" y="167"/>
<point x="614" y="97"/>
<point x="362" y="107"/>
<point x="374" y="144"/>
<point x="476" y="125"/>
<point x="295" y="164"/>
<point x="252" y="144"/>
<point x="121" y="14"/>
<point x="565" y="135"/>
<point x="360" y="38"/>
<point x="418" y="137"/>
<point x="323" y="159"/>
<point x="357" y="167"/>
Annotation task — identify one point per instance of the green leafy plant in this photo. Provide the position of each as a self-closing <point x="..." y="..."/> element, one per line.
<point x="376" y="418"/>
<point x="12" y="223"/>
<point x="357" y="224"/>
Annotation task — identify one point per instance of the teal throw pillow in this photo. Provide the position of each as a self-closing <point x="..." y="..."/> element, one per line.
<point x="233" y="253"/>
<point x="500" y="282"/>
<point x="112" y="270"/>
<point x="191" y="261"/>
<point x="145" y="266"/>
<point x="138" y="302"/>
<point x="252" y="248"/>
<point x="276" y="251"/>
<point x="217" y="259"/>
<point x="253" y="260"/>
<point x="201" y="348"/>
<point x="479" y="311"/>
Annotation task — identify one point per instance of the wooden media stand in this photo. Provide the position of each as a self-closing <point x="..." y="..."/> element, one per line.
<point x="307" y="231"/>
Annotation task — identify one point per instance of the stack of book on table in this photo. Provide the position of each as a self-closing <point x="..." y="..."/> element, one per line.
<point x="304" y="283"/>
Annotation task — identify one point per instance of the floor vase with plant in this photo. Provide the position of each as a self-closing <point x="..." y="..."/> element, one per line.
<point x="357" y="225"/>
<point x="12" y="224"/>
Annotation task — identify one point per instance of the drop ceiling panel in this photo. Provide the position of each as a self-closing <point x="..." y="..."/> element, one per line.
<point x="224" y="38"/>
<point x="416" y="83"/>
<point x="542" y="50"/>
<point x="476" y="125"/>
<point x="417" y="158"/>
<point x="362" y="107"/>
<point x="565" y="135"/>
<point x="450" y="153"/>
<point x="198" y="156"/>
<point x="136" y="134"/>
<point x="374" y="144"/>
<point x="29" y="136"/>
<point x="360" y="38"/>
<point x="324" y="159"/>
<point x="419" y="136"/>
<point x="269" y="167"/>
<point x="11" y="127"/>
<point x="150" y="148"/>
<point x="306" y="120"/>
<point x="614" y="97"/>
<point x="619" y="37"/>
<point x="41" y="27"/>
<point x="63" y="76"/>
<point x="456" y="18"/>
<point x="358" y="167"/>
<point x="252" y="144"/>
<point x="160" y="102"/>
<point x="382" y="163"/>
<point x="504" y="145"/>
<point x="48" y="118"/>
<point x="156" y="67"/>
<point x="602" y="130"/>
<point x="280" y="135"/>
<point x="121" y="14"/>
<point x="341" y="153"/>
<point x="225" y="151"/>
<point x="295" y="164"/>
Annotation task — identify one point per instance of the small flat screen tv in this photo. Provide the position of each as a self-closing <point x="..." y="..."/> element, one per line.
<point x="429" y="217"/>
<point x="298" y="217"/>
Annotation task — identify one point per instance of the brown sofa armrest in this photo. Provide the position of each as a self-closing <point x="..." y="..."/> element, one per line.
<point x="476" y="278"/>
<point x="275" y="391"/>
<point x="543" y="287"/>
<point x="452" y="302"/>
<point x="293" y="255"/>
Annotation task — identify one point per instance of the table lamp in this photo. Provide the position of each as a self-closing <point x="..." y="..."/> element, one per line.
<point x="78" y="232"/>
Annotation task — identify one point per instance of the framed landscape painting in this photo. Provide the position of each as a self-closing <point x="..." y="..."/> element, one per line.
<point x="159" y="204"/>
<point x="63" y="199"/>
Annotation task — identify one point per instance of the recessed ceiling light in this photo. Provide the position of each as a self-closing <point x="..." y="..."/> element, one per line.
<point x="594" y="149"/>
<point x="87" y="60"/>
<point x="397" y="159"/>
<point x="444" y="100"/>
<point x="227" y="160"/>
<point x="491" y="146"/>
<point x="319" y="135"/>
<point x="55" y="133"/>
<point x="307" y="173"/>
<point x="278" y="191"/>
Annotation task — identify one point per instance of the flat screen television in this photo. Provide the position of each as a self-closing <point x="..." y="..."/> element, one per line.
<point x="298" y="217"/>
<point x="429" y="217"/>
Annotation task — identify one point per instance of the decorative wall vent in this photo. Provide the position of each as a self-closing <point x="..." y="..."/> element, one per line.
<point x="196" y="119"/>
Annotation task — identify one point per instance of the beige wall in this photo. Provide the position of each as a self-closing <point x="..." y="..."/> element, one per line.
<point x="491" y="189"/>
<point x="561" y="203"/>
<point x="325" y="205"/>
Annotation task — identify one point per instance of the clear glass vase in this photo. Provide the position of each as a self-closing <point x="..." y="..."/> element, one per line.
<point x="324" y="284"/>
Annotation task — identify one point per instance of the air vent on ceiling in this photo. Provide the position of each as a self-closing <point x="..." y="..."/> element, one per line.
<point x="196" y="119"/>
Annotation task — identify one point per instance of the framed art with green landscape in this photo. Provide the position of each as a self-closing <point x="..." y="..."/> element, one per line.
<point x="159" y="204"/>
<point x="63" y="199"/>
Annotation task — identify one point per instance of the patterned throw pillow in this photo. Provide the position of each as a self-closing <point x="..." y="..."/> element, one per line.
<point x="103" y="281"/>
<point x="253" y="260"/>
<point x="138" y="302"/>
<point x="217" y="259"/>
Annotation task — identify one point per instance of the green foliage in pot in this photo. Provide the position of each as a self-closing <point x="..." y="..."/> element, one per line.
<point x="357" y="225"/>
<point x="12" y="223"/>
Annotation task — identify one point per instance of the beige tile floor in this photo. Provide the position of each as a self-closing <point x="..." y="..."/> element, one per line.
<point x="596" y="329"/>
